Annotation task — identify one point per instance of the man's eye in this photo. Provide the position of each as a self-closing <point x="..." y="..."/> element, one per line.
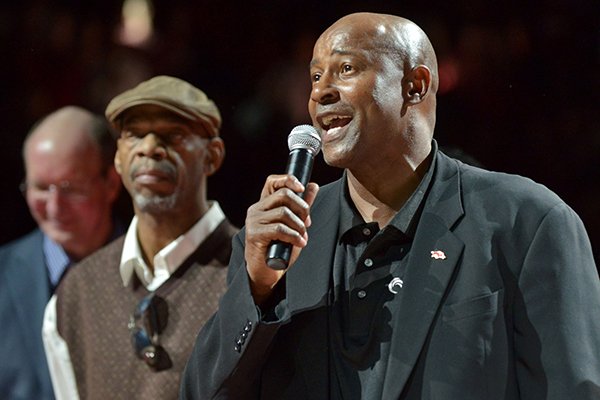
<point x="316" y="77"/>
<point x="176" y="136"/>
<point x="130" y="134"/>
<point x="347" y="68"/>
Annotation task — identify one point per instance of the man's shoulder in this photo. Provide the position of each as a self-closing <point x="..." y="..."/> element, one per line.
<point x="23" y="252"/>
<point x="506" y="187"/>
<point x="30" y="240"/>
<point x="109" y="251"/>
<point x="481" y="184"/>
<point x="99" y="261"/>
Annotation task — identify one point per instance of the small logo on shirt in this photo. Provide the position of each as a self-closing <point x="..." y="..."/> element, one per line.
<point x="438" y="255"/>
<point x="395" y="283"/>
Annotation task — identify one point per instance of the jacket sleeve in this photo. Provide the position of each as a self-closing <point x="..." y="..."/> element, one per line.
<point x="233" y="345"/>
<point x="557" y="329"/>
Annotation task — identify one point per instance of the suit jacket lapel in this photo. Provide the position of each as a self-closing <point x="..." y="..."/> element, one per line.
<point x="310" y="289"/>
<point x="312" y="271"/>
<point x="427" y="277"/>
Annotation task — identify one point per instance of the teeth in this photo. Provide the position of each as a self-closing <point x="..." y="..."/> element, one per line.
<point x="330" y="118"/>
<point x="327" y="120"/>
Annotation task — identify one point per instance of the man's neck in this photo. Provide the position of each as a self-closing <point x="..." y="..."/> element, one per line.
<point x="379" y="196"/>
<point x="154" y="234"/>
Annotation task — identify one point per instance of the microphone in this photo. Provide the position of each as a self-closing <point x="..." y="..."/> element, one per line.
<point x="304" y="143"/>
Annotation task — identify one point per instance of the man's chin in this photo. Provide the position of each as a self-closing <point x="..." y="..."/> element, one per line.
<point x="61" y="237"/>
<point x="154" y="203"/>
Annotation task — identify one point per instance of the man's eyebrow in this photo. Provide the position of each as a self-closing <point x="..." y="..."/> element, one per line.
<point x="334" y="52"/>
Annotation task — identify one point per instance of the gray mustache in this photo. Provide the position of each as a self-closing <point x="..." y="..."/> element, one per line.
<point x="163" y="167"/>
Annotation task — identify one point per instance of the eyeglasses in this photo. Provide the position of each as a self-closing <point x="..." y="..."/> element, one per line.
<point x="76" y="192"/>
<point x="145" y="324"/>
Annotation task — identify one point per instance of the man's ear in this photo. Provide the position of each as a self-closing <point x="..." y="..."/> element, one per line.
<point x="118" y="167"/>
<point x="113" y="180"/>
<point x="215" y="156"/>
<point x="416" y="84"/>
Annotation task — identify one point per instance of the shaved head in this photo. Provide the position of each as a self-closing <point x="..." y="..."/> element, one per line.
<point x="399" y="38"/>
<point x="374" y="83"/>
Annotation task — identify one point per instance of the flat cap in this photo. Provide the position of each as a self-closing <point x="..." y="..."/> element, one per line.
<point x="173" y="94"/>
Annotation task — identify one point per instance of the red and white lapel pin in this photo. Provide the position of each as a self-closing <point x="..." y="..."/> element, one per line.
<point x="438" y="255"/>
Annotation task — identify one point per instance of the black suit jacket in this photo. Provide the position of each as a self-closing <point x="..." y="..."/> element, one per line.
<point x="24" y="292"/>
<point x="509" y="313"/>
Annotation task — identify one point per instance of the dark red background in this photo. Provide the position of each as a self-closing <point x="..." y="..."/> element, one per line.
<point x="519" y="83"/>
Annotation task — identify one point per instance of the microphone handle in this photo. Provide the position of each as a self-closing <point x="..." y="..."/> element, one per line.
<point x="300" y="164"/>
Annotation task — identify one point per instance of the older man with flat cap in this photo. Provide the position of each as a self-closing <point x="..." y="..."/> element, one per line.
<point x="123" y="322"/>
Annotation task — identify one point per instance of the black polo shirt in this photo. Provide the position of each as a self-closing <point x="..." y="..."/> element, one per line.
<point x="369" y="266"/>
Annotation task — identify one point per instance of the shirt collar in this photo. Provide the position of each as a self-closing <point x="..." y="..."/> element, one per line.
<point x="169" y="258"/>
<point x="404" y="220"/>
<point x="56" y="258"/>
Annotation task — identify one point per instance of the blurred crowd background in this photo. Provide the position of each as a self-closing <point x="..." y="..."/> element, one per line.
<point x="518" y="92"/>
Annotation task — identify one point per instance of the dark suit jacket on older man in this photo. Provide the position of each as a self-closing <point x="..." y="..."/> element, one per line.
<point x="510" y="311"/>
<point x="24" y="292"/>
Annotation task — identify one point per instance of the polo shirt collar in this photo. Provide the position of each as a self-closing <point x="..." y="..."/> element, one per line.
<point x="404" y="220"/>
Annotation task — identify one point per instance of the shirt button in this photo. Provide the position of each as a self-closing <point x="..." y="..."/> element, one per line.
<point x="366" y="231"/>
<point x="361" y="294"/>
<point x="368" y="262"/>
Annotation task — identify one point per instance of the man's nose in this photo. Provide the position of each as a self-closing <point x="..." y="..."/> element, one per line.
<point x="324" y="91"/>
<point x="56" y="201"/>
<point x="152" y="146"/>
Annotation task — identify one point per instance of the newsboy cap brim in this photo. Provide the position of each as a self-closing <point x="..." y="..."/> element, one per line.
<point x="173" y="94"/>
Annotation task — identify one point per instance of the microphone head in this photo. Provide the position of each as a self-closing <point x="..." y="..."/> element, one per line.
<point x="305" y="137"/>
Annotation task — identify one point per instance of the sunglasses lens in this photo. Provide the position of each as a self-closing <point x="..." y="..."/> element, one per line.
<point x="140" y="340"/>
<point x="149" y="319"/>
<point x="153" y="311"/>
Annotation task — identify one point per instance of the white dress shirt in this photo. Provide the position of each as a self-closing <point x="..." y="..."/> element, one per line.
<point x="166" y="262"/>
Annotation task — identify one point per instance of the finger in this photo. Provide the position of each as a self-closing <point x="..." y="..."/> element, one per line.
<point x="311" y="193"/>
<point x="284" y="197"/>
<point x="279" y="232"/>
<point x="279" y="223"/>
<point x="276" y="182"/>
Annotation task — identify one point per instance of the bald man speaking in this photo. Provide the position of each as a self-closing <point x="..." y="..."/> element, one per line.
<point x="414" y="276"/>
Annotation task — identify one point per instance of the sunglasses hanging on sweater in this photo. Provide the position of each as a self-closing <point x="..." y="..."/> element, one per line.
<point x="145" y="325"/>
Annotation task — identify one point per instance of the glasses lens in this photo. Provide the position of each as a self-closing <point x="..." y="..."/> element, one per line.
<point x="140" y="340"/>
<point x="153" y="313"/>
<point x="67" y="190"/>
<point x="147" y="322"/>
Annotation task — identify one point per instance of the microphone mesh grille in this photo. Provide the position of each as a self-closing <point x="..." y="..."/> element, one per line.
<point x="305" y="137"/>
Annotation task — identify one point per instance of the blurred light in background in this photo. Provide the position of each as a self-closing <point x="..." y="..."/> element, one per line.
<point x="136" y="28"/>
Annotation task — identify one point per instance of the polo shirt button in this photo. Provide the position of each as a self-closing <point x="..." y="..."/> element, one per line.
<point x="366" y="231"/>
<point x="361" y="294"/>
<point x="368" y="262"/>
